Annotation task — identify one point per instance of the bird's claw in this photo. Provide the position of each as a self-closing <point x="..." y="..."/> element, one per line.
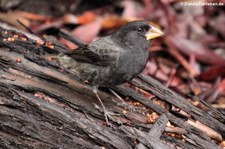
<point x="110" y="117"/>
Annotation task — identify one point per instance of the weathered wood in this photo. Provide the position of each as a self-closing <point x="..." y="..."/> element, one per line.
<point x="44" y="106"/>
<point x="153" y="136"/>
<point x="192" y="131"/>
<point x="213" y="120"/>
<point x="159" y="127"/>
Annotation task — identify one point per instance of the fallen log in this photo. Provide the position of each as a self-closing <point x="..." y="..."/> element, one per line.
<point x="44" y="106"/>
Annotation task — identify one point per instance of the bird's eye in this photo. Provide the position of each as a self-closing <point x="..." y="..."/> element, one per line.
<point x="140" y="30"/>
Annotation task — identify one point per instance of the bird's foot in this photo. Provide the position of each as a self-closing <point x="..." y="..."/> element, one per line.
<point x="122" y="103"/>
<point x="109" y="116"/>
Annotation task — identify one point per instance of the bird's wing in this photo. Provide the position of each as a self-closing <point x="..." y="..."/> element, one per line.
<point x="101" y="52"/>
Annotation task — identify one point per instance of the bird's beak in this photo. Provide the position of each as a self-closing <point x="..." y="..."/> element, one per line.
<point x="153" y="33"/>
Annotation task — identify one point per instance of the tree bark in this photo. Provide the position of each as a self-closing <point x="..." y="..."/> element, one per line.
<point x="44" y="106"/>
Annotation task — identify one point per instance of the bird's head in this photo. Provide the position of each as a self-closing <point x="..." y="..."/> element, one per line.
<point x="138" y="32"/>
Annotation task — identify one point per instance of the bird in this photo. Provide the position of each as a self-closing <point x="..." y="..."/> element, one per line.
<point x="113" y="59"/>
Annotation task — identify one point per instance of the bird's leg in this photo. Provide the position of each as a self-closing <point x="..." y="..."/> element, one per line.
<point x="122" y="102"/>
<point x="95" y="90"/>
<point x="115" y="94"/>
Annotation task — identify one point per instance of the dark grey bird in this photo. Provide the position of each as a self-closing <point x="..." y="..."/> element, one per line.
<point x="113" y="59"/>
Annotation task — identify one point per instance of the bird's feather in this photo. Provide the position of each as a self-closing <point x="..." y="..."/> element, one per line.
<point x="97" y="53"/>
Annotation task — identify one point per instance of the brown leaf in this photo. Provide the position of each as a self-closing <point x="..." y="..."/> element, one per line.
<point x="213" y="73"/>
<point x="89" y="31"/>
<point x="189" y="47"/>
<point x="12" y="18"/>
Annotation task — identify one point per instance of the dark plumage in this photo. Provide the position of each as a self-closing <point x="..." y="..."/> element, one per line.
<point x="113" y="59"/>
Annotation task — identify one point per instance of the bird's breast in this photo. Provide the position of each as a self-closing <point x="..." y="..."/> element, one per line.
<point x="131" y="64"/>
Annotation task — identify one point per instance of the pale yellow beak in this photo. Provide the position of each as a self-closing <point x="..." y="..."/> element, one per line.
<point x="153" y="33"/>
